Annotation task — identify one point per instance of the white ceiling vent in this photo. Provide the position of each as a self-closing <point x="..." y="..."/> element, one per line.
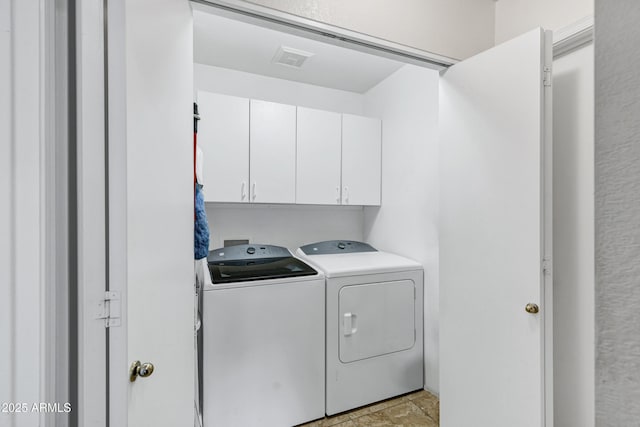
<point x="290" y="57"/>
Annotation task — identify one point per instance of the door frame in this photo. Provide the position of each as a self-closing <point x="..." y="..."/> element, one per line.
<point x="25" y="259"/>
<point x="92" y="214"/>
<point x="547" y="230"/>
<point x="294" y="24"/>
<point x="101" y="230"/>
<point x="115" y="157"/>
<point x="116" y="193"/>
<point x="50" y="356"/>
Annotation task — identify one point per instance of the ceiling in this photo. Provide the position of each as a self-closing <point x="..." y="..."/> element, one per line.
<point x="227" y="43"/>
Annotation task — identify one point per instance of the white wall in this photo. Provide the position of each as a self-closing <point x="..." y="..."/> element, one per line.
<point x="407" y="221"/>
<point x="573" y="202"/>
<point x="515" y="17"/>
<point x="22" y="278"/>
<point x="617" y="201"/>
<point x="453" y="28"/>
<point x="284" y="225"/>
<point x="6" y="211"/>
<point x="248" y="85"/>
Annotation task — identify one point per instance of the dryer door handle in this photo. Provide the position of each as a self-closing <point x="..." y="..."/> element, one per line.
<point x="350" y="324"/>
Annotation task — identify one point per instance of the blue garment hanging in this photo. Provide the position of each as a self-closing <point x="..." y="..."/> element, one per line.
<point x="201" y="229"/>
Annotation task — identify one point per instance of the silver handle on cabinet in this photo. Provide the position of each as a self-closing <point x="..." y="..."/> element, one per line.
<point x="243" y="193"/>
<point x="253" y="191"/>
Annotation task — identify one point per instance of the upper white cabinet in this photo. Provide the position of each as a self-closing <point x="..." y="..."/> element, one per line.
<point x="223" y="136"/>
<point x="361" y="160"/>
<point x="273" y="152"/>
<point x="318" y="157"/>
<point x="265" y="152"/>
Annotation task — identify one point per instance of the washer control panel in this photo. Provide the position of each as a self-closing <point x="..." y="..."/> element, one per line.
<point x="336" y="247"/>
<point x="245" y="252"/>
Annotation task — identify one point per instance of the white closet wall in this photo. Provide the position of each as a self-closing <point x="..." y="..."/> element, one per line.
<point x="255" y="86"/>
<point x="290" y="226"/>
<point x="407" y="221"/>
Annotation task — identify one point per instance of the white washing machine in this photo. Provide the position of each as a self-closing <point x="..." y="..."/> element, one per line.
<point x="263" y="339"/>
<point x="374" y="328"/>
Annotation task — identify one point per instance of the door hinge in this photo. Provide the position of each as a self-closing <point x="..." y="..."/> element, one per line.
<point x="546" y="79"/>
<point x="547" y="267"/>
<point x="110" y="309"/>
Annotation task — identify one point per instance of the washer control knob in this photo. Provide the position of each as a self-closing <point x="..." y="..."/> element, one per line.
<point x="251" y="250"/>
<point x="341" y="245"/>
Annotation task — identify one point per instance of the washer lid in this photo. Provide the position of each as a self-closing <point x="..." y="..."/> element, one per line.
<point x="244" y="263"/>
<point x="359" y="263"/>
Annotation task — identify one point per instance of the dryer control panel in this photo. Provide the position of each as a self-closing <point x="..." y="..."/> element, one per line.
<point x="337" y="247"/>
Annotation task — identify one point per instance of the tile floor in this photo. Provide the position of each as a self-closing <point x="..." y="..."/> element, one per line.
<point x="418" y="409"/>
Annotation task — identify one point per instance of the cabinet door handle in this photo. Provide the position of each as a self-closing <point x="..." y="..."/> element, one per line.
<point x="346" y="195"/>
<point x="338" y="194"/>
<point x="243" y="193"/>
<point x="253" y="191"/>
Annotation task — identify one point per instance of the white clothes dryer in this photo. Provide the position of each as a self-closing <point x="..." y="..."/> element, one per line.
<point x="374" y="322"/>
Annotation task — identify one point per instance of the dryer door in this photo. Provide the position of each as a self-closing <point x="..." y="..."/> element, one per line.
<point x="376" y="319"/>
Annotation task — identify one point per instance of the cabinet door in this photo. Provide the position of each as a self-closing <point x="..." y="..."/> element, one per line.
<point x="223" y="136"/>
<point x="318" y="157"/>
<point x="273" y="152"/>
<point x="361" y="160"/>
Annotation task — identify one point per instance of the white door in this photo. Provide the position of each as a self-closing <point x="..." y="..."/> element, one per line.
<point x="273" y="152"/>
<point x="361" y="160"/>
<point x="151" y="211"/>
<point x="318" y="157"/>
<point x="493" y="238"/>
<point x="223" y="137"/>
